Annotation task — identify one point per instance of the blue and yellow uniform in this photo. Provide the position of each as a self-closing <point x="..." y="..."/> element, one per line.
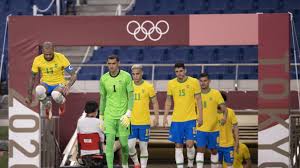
<point x="185" y="109"/>
<point x="208" y="133"/>
<point x="226" y="140"/>
<point x="140" y="117"/>
<point x="52" y="72"/>
<point x="243" y="154"/>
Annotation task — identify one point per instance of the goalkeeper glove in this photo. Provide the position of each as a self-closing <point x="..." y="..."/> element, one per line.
<point x="125" y="119"/>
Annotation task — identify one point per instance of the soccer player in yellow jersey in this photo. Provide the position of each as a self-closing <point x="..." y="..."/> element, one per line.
<point x="140" y="117"/>
<point x="243" y="156"/>
<point x="227" y="136"/>
<point x="208" y="126"/>
<point x="185" y="92"/>
<point x="51" y="66"/>
<point x="228" y="143"/>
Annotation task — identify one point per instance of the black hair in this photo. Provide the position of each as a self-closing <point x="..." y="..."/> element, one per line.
<point x="204" y="74"/>
<point x="224" y="95"/>
<point x="113" y="56"/>
<point x="179" y="65"/>
<point x="91" y="106"/>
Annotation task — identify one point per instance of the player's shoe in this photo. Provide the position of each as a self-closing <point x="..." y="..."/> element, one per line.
<point x="137" y="166"/>
<point x="62" y="109"/>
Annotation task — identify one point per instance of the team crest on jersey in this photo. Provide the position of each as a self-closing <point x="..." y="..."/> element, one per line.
<point x="210" y="98"/>
<point x="187" y="86"/>
<point x="143" y="91"/>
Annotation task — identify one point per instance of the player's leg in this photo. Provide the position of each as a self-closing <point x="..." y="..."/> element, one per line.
<point x="131" y="144"/>
<point x="190" y="137"/>
<point x="177" y="136"/>
<point x="57" y="95"/>
<point x="221" y="157"/>
<point x="123" y="133"/>
<point x="117" y="145"/>
<point x="41" y="91"/>
<point x="202" y="140"/>
<point x="213" y="146"/>
<point x="179" y="155"/>
<point x="59" y="98"/>
<point x="124" y="149"/>
<point x="110" y="126"/>
<point x="144" y="133"/>
<point x="117" y="151"/>
<point x="228" y="156"/>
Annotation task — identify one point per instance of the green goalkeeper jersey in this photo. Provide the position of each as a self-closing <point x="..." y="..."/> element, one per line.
<point x="114" y="93"/>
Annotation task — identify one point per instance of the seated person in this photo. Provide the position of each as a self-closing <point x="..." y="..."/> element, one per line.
<point x="89" y="125"/>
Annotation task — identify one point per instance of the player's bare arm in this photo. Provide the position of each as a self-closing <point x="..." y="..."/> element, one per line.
<point x="168" y="104"/>
<point x="200" y="112"/>
<point x="73" y="78"/>
<point x="30" y="87"/>
<point x="236" y="137"/>
<point x="156" y="111"/>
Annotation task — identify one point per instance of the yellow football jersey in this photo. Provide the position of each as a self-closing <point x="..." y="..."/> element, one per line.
<point x="142" y="95"/>
<point x="210" y="102"/>
<point x="52" y="72"/>
<point x="243" y="154"/>
<point x="183" y="94"/>
<point x="226" y="136"/>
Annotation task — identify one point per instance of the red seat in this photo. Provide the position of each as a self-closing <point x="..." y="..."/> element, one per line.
<point x="90" y="142"/>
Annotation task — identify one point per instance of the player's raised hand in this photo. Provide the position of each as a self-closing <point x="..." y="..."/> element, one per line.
<point x="156" y="121"/>
<point x="165" y="121"/>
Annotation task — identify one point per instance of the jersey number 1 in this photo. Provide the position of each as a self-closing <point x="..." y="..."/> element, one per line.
<point x="115" y="88"/>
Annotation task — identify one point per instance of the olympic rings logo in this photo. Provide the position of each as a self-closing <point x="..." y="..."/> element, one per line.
<point x="141" y="29"/>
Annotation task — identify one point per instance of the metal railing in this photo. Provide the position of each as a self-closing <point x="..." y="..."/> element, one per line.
<point x="294" y="141"/>
<point x="50" y="149"/>
<point x="153" y="66"/>
<point x="36" y="8"/>
<point x="119" y="9"/>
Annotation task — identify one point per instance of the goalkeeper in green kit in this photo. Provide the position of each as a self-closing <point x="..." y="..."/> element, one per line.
<point x="116" y="101"/>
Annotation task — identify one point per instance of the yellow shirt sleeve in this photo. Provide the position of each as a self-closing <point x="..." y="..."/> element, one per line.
<point x="35" y="66"/>
<point x="169" y="89"/>
<point x="197" y="87"/>
<point x="65" y="61"/>
<point x="233" y="118"/>
<point x="245" y="151"/>
<point x="151" y="91"/>
<point x="219" y="98"/>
